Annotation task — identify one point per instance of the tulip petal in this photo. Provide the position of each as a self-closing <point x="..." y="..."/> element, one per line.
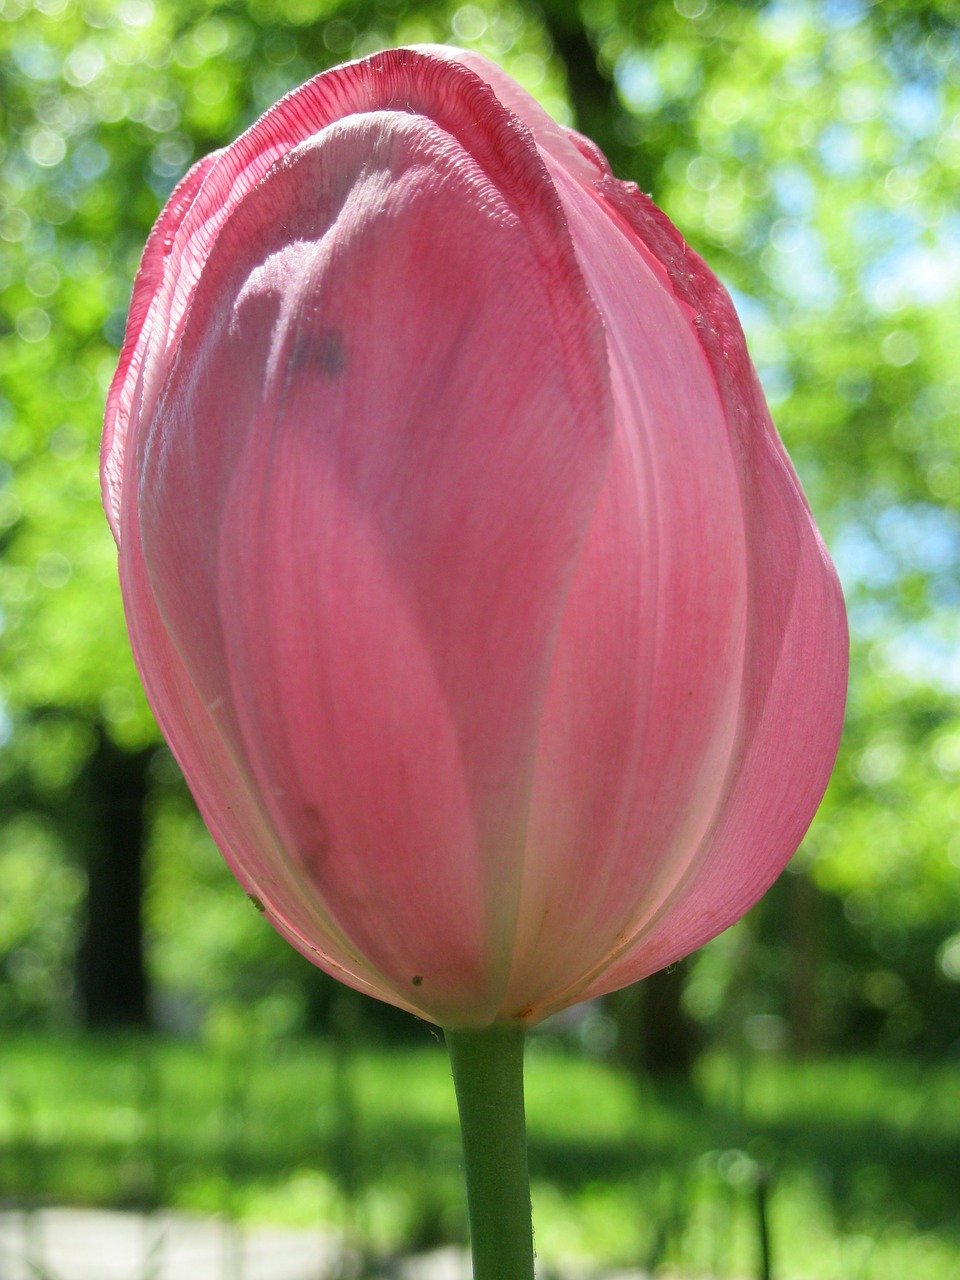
<point x="757" y="778"/>
<point x="408" y="80"/>
<point x="795" y="673"/>
<point x="648" y="668"/>
<point x="373" y="628"/>
<point x="202" y="738"/>
<point x="575" y="154"/>
<point x="137" y="338"/>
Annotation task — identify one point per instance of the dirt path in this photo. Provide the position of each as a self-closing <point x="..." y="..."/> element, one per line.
<point x="80" y="1244"/>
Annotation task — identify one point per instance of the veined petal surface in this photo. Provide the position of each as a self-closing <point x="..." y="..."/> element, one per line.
<point x="642" y="714"/>
<point x="735" y="712"/>
<point x="379" y="322"/>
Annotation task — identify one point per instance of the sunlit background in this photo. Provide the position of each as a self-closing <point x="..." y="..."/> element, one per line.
<point x="801" y="1072"/>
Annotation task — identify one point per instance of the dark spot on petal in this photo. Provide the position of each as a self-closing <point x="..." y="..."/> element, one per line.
<point x="317" y="845"/>
<point x="324" y="352"/>
<point x="331" y="353"/>
<point x="257" y="902"/>
<point x="417" y="979"/>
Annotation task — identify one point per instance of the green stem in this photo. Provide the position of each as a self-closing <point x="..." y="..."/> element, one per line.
<point x="488" y="1074"/>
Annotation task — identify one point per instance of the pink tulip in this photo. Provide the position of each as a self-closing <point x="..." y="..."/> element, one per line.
<point x="466" y="574"/>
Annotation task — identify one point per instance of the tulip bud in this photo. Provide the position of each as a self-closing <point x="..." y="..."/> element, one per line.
<point x="467" y="577"/>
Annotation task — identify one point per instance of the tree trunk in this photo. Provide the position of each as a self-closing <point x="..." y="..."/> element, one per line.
<point x="111" y="977"/>
<point x="594" y="100"/>
<point x="656" y="1038"/>
<point x="806" y="945"/>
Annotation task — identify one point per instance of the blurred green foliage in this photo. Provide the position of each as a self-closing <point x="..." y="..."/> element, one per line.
<point x="810" y="149"/>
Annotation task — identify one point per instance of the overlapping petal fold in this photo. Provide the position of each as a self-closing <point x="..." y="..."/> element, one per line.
<point x="720" y="734"/>
<point x="390" y="311"/>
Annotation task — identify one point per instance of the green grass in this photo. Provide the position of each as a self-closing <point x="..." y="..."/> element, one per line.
<point x="862" y="1158"/>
